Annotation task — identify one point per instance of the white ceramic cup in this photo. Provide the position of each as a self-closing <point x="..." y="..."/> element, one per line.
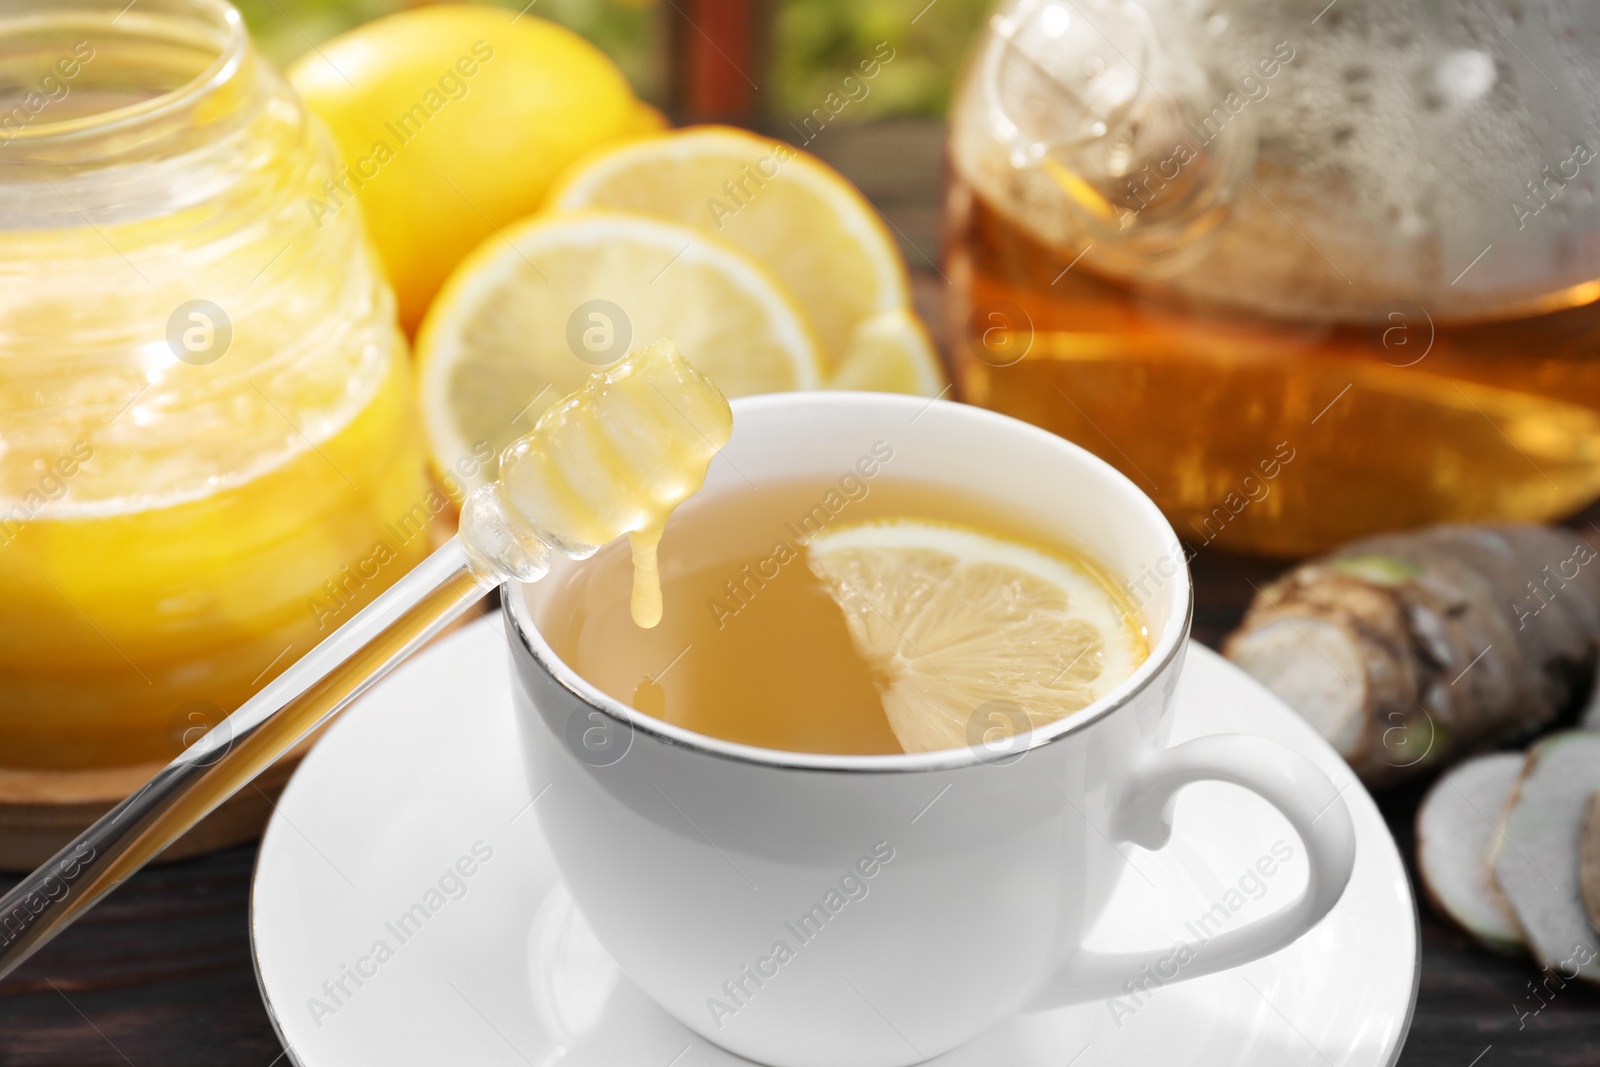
<point x="872" y="911"/>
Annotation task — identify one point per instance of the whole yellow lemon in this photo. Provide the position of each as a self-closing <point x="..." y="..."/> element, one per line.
<point x="452" y="121"/>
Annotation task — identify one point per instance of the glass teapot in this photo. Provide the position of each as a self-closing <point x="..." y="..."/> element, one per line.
<point x="1304" y="271"/>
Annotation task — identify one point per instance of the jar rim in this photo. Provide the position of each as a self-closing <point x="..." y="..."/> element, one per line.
<point x="218" y="16"/>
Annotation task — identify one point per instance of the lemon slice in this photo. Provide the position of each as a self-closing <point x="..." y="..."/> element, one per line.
<point x="534" y="311"/>
<point x="966" y="630"/>
<point x="786" y="208"/>
<point x="891" y="353"/>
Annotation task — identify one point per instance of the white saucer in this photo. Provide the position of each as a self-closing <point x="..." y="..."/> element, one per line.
<point x="506" y="972"/>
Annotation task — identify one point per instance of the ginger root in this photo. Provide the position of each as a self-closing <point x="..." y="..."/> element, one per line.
<point x="1409" y="649"/>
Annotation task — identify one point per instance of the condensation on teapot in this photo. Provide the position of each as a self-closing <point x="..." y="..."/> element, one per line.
<point x="1106" y="130"/>
<point x="1310" y="161"/>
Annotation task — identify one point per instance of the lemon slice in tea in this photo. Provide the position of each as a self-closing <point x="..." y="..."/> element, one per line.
<point x="953" y="620"/>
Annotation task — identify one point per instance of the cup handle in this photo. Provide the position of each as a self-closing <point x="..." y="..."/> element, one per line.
<point x="1142" y="814"/>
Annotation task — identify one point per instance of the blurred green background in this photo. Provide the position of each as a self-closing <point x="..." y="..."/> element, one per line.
<point x="813" y="44"/>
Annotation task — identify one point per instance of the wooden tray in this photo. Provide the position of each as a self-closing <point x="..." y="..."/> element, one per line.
<point x="41" y="810"/>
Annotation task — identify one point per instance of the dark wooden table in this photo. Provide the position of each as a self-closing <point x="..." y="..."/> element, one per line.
<point x="159" y="975"/>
